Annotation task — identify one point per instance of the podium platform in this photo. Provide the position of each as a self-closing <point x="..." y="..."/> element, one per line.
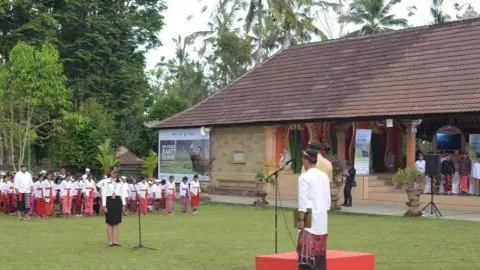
<point x="336" y="260"/>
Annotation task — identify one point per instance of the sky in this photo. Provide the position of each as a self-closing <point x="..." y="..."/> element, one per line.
<point x="176" y="23"/>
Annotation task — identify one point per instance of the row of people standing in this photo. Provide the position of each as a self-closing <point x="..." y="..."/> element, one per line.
<point x="465" y="180"/>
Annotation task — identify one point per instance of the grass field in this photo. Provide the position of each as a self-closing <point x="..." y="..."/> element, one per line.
<point x="227" y="237"/>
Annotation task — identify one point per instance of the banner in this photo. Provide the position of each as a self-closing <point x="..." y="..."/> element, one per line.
<point x="183" y="152"/>
<point x="362" y="151"/>
<point x="474" y="144"/>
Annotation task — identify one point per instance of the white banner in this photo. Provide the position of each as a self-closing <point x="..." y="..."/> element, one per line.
<point x="362" y="151"/>
<point x="183" y="152"/>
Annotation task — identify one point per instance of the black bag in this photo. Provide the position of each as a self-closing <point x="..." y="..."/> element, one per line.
<point x="354" y="184"/>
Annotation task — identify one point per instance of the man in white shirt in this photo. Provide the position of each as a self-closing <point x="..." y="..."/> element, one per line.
<point x="314" y="194"/>
<point x="23" y="185"/>
<point x="476" y="174"/>
<point x="84" y="177"/>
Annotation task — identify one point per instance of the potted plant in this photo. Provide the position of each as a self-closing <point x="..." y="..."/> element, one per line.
<point x="149" y="164"/>
<point x="413" y="180"/>
<point x="339" y="167"/>
<point x="262" y="180"/>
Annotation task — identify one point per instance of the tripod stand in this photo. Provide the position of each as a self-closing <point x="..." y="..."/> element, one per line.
<point x="433" y="206"/>
<point x="140" y="245"/>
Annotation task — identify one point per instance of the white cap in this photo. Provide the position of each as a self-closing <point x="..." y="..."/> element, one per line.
<point x="150" y="182"/>
<point x="87" y="169"/>
<point x="2" y="173"/>
<point x="43" y="171"/>
<point x="123" y="177"/>
<point x="157" y="181"/>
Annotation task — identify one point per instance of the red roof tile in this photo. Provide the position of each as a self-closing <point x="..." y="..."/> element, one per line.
<point x="416" y="71"/>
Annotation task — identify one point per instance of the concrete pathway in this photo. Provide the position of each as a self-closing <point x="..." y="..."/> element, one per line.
<point x="359" y="209"/>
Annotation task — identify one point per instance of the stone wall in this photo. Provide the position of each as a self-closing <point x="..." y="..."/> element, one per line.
<point x="228" y="177"/>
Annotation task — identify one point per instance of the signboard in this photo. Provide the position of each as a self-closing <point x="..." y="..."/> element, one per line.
<point x="362" y="151"/>
<point x="183" y="152"/>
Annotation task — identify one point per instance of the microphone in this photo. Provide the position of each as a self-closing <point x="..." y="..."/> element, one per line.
<point x="289" y="161"/>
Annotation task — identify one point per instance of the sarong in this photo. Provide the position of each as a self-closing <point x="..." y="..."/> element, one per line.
<point x="32" y="205"/>
<point x="309" y="246"/>
<point x="78" y="203"/>
<point x="163" y="201"/>
<point x="6" y="205"/>
<point x="169" y="203"/>
<point x="66" y="205"/>
<point x="464" y="183"/>
<point x="156" y="203"/>
<point x="89" y="202"/>
<point x="143" y="206"/>
<point x="183" y="203"/>
<point x="11" y="203"/>
<point x="49" y="208"/>
<point x="1" y="201"/>
<point x="447" y="182"/>
<point x="133" y="205"/>
<point x="40" y="207"/>
<point x="195" y="201"/>
<point x="57" y="204"/>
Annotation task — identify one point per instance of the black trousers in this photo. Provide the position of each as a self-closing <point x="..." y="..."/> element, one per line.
<point x="347" y="193"/>
<point x="320" y="264"/>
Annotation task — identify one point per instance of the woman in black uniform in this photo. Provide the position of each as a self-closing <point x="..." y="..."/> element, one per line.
<point x="112" y="203"/>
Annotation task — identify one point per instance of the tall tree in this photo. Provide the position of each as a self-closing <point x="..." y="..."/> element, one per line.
<point x="255" y="10"/>
<point x="469" y="13"/>
<point x="373" y="16"/>
<point x="33" y="89"/>
<point x="438" y="14"/>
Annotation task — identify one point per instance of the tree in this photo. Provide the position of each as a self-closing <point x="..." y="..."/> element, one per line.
<point x="439" y="16"/>
<point x="255" y="10"/>
<point x="373" y="16"/>
<point x="80" y="132"/>
<point x="33" y="91"/>
<point x="469" y="13"/>
<point x="106" y="156"/>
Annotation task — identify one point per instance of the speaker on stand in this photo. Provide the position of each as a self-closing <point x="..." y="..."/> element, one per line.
<point x="432" y="169"/>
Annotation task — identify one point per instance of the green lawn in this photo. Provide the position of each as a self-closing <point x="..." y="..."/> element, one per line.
<point x="227" y="237"/>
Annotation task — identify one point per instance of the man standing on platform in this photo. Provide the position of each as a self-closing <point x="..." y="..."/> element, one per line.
<point x="314" y="194"/>
<point x="323" y="164"/>
<point x="23" y="185"/>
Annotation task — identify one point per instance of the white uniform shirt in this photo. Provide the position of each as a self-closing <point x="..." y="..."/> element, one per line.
<point x="184" y="189"/>
<point x="195" y="188"/>
<point x="23" y="182"/>
<point x="143" y="190"/>
<point x="8" y="187"/>
<point x="156" y="191"/>
<point x="314" y="193"/>
<point x="132" y="190"/>
<point x="420" y="166"/>
<point x="476" y="170"/>
<point x="101" y="183"/>
<point x="170" y="188"/>
<point x="112" y="187"/>
<point x="38" y="189"/>
<point x="84" y="177"/>
<point x="78" y="186"/>
<point x="65" y="187"/>
<point x="48" y="186"/>
<point x="89" y="185"/>
<point x="125" y="190"/>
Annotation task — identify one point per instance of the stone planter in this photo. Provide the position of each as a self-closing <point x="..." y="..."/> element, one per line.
<point x="261" y="193"/>
<point x="413" y="195"/>
<point x="205" y="188"/>
<point x="334" y="192"/>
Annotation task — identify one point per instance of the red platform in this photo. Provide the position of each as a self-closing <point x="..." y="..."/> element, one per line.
<point x="336" y="260"/>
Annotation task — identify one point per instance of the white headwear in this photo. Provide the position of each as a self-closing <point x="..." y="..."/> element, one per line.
<point x="43" y="171"/>
<point x="157" y="181"/>
<point x="123" y="177"/>
<point x="149" y="182"/>
<point x="87" y="169"/>
<point x="2" y="173"/>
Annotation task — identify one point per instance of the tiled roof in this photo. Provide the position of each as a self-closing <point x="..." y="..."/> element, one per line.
<point x="417" y="71"/>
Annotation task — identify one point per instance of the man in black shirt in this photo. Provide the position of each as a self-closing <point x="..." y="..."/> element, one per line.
<point x="448" y="170"/>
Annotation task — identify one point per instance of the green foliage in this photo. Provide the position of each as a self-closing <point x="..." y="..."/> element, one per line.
<point x="262" y="176"/>
<point x="150" y="163"/>
<point x="106" y="156"/>
<point x="409" y="176"/>
<point x="80" y="132"/>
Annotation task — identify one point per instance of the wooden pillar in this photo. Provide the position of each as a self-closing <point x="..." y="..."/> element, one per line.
<point x="270" y="148"/>
<point x="340" y="130"/>
<point x="411" y="128"/>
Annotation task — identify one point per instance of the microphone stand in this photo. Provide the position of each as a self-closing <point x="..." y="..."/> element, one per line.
<point x="140" y="245"/>
<point x="276" y="202"/>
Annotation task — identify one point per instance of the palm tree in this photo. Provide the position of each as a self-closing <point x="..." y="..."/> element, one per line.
<point x="106" y="157"/>
<point x="373" y="16"/>
<point x="256" y="8"/>
<point x="439" y="16"/>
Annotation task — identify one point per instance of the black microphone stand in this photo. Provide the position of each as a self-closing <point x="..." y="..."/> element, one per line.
<point x="276" y="202"/>
<point x="140" y="245"/>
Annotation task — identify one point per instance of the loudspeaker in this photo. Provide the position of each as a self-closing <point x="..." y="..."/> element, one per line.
<point x="432" y="164"/>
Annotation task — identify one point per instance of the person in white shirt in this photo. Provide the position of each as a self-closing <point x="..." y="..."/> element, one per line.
<point x="77" y="196"/>
<point x="38" y="191"/>
<point x="420" y="165"/>
<point x="23" y="184"/>
<point x="184" y="194"/>
<point x="84" y="176"/>
<point x="89" y="189"/>
<point x="112" y="203"/>
<point x="156" y="191"/>
<point x="125" y="193"/>
<point x="133" y="196"/>
<point x="476" y="174"/>
<point x="171" y="193"/>
<point x="314" y="194"/>
<point x="8" y="191"/>
<point x="67" y="190"/>
<point x="195" y="193"/>
<point x="48" y="195"/>
<point x="143" y="192"/>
